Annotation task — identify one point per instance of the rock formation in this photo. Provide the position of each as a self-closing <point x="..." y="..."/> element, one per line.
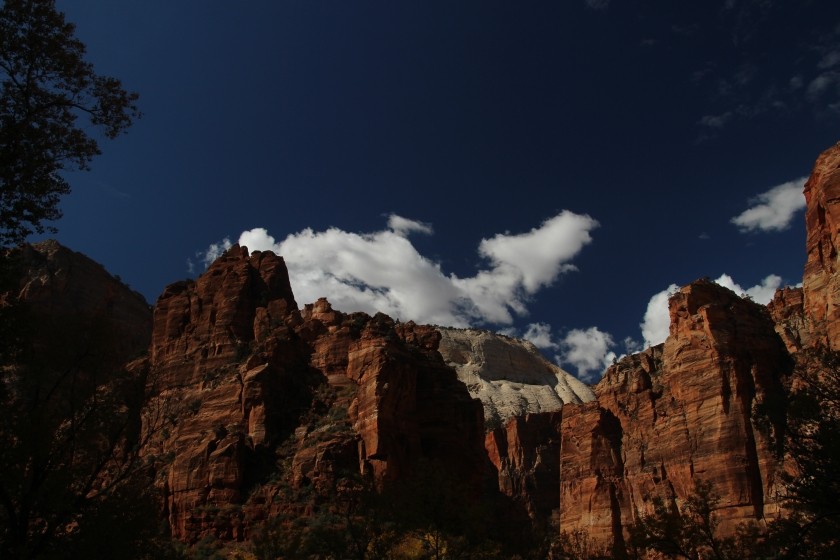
<point x="70" y="292"/>
<point x="821" y="284"/>
<point x="687" y="410"/>
<point x="786" y="309"/>
<point x="262" y="386"/>
<point x="525" y="453"/>
<point x="509" y="376"/>
<point x="71" y="410"/>
<point x="229" y="393"/>
<point x="677" y="413"/>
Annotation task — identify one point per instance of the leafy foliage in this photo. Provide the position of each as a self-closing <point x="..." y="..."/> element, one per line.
<point x="690" y="532"/>
<point x="49" y="93"/>
<point x="812" y="528"/>
<point x="73" y="481"/>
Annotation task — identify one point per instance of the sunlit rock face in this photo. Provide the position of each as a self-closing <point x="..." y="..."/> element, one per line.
<point x="687" y="410"/>
<point x="258" y="393"/>
<point x="786" y="309"/>
<point x="678" y="413"/>
<point x="821" y="281"/>
<point x="229" y="378"/>
<point x="509" y="376"/>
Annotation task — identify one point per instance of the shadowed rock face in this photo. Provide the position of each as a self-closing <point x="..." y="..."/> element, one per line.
<point x="62" y="286"/>
<point x="525" y="453"/>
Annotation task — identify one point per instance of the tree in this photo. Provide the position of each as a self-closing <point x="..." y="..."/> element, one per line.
<point x="74" y="479"/>
<point x="811" y="528"/>
<point x="690" y="532"/>
<point x="75" y="483"/>
<point x="49" y="95"/>
<point x="575" y="545"/>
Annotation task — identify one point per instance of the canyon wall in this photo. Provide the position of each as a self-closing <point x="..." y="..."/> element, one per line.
<point x="678" y="413"/>
<point x="251" y="392"/>
<point x="703" y="406"/>
<point x="258" y="390"/>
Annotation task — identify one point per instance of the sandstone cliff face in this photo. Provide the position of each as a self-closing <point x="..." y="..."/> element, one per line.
<point x="230" y="393"/>
<point x="68" y="291"/>
<point x="265" y="390"/>
<point x="821" y="284"/>
<point x="525" y="453"/>
<point x="509" y="376"/>
<point x="201" y="325"/>
<point x="522" y="395"/>
<point x="678" y="413"/>
<point x="409" y="404"/>
<point x="788" y="313"/>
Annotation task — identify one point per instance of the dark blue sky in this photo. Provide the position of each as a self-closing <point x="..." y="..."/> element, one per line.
<point x="660" y="120"/>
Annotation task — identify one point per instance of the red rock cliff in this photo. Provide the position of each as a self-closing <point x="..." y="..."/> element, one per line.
<point x="676" y="414"/>
<point x="821" y="284"/>
<point x="71" y="291"/>
<point x="227" y="391"/>
<point x="262" y="387"/>
<point x="525" y="453"/>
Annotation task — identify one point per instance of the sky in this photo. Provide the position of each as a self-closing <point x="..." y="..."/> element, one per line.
<point x="550" y="170"/>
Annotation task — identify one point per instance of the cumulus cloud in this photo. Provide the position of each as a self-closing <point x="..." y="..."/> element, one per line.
<point x="657" y="321"/>
<point x="760" y="293"/>
<point x="539" y="334"/>
<point x="213" y="252"/>
<point x="383" y="271"/>
<point x="773" y="210"/>
<point x="403" y="226"/>
<point x="589" y="351"/>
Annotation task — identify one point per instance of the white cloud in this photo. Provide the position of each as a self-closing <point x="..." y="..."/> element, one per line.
<point x="257" y="239"/>
<point x="773" y="210"/>
<point x="657" y="321"/>
<point x="631" y="345"/>
<point x="403" y="226"/>
<point x="214" y="251"/>
<point x="538" y="257"/>
<point x="589" y="351"/>
<point x="382" y="271"/>
<point x="760" y="293"/>
<point x="539" y="334"/>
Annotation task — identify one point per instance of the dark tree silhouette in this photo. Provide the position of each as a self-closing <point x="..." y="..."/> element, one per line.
<point x="73" y="476"/>
<point x="49" y="96"/>
<point x="811" y="529"/>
